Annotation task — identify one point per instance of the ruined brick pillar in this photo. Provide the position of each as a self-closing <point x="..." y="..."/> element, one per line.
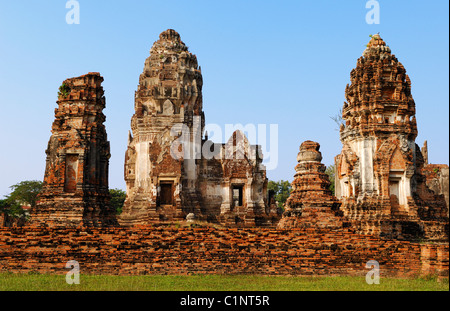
<point x="75" y="190"/>
<point x="378" y="173"/>
<point x="311" y="203"/>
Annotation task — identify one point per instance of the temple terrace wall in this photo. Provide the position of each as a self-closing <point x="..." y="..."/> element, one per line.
<point x="207" y="250"/>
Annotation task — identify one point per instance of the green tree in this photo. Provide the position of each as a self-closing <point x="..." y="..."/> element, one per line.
<point x="22" y="193"/>
<point x="4" y="206"/>
<point x="12" y="209"/>
<point x="117" y="199"/>
<point x="331" y="172"/>
<point x="25" y="192"/>
<point x="281" y="189"/>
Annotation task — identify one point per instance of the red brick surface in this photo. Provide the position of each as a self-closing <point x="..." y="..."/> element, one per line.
<point x="380" y="111"/>
<point x="311" y="203"/>
<point x="75" y="189"/>
<point x="161" y="250"/>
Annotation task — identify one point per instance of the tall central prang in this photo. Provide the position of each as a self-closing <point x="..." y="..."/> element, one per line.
<point x="169" y="94"/>
<point x="169" y="181"/>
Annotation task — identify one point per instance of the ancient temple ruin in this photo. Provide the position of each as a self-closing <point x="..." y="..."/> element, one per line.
<point x="75" y="190"/>
<point x="379" y="173"/>
<point x="311" y="202"/>
<point x="174" y="172"/>
<point x="171" y="168"/>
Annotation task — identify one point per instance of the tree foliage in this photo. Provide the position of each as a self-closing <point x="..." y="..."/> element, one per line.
<point x="338" y="119"/>
<point x="117" y="199"/>
<point x="12" y="209"/>
<point x="282" y="190"/>
<point x="331" y="171"/>
<point x="25" y="192"/>
<point x="4" y="206"/>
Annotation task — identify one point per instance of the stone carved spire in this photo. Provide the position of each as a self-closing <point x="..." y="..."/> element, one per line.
<point x="224" y="183"/>
<point x="378" y="173"/>
<point x="171" y="79"/>
<point x="378" y="100"/>
<point x="168" y="101"/>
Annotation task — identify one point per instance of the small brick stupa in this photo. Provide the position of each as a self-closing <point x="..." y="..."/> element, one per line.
<point x="311" y="203"/>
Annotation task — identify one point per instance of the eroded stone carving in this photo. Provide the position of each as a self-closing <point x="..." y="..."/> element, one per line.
<point x="379" y="171"/>
<point x="228" y="185"/>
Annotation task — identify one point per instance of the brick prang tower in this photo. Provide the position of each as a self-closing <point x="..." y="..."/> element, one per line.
<point x="75" y="190"/>
<point x="379" y="171"/>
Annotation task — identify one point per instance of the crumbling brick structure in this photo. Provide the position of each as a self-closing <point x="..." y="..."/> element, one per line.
<point x="386" y="186"/>
<point x="166" y="171"/>
<point x="311" y="202"/>
<point x="243" y="182"/>
<point x="379" y="175"/>
<point x="207" y="250"/>
<point x="75" y="190"/>
<point x="436" y="176"/>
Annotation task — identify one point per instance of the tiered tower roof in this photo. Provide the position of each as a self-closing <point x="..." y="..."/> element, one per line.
<point x="378" y="99"/>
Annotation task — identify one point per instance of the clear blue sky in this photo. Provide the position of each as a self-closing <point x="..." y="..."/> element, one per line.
<point x="263" y="62"/>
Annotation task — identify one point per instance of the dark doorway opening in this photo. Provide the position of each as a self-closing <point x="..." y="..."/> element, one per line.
<point x="237" y="196"/>
<point x="166" y="193"/>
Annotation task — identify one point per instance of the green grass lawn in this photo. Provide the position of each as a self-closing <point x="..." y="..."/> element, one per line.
<point x="45" y="282"/>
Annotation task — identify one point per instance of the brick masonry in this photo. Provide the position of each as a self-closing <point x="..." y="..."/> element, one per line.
<point x="169" y="117"/>
<point x="207" y="250"/>
<point x="75" y="188"/>
<point x="380" y="177"/>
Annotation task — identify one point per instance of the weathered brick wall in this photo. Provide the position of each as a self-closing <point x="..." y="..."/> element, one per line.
<point x="437" y="180"/>
<point x="160" y="250"/>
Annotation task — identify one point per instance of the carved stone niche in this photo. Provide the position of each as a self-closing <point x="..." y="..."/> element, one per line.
<point x="168" y="108"/>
